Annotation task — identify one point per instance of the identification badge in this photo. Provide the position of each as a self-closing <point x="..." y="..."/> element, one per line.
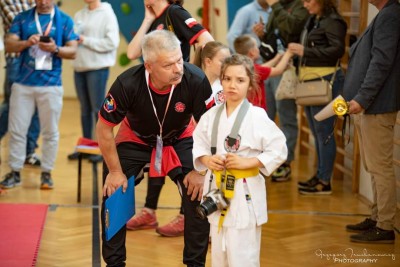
<point x="43" y="60"/>
<point x="159" y="148"/>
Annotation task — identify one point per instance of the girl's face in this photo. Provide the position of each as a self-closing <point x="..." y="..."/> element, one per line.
<point x="235" y="83"/>
<point x="313" y="6"/>
<point x="214" y="64"/>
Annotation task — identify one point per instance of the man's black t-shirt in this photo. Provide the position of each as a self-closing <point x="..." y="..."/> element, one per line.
<point x="129" y="97"/>
<point x="185" y="27"/>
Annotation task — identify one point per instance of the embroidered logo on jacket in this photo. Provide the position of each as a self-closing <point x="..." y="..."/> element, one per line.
<point x="180" y="107"/>
<point x="235" y="146"/>
<point x="109" y="104"/>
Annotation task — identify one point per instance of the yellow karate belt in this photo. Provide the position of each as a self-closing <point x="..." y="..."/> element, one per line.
<point x="228" y="177"/>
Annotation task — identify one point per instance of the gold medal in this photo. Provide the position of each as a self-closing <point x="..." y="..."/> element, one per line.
<point x="340" y="107"/>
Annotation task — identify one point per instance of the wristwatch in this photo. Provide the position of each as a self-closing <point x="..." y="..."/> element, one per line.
<point x="202" y="173"/>
<point x="56" y="51"/>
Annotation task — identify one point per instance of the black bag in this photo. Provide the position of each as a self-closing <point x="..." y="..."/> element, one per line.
<point x="269" y="45"/>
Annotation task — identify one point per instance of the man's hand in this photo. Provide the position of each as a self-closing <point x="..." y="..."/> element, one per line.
<point x="258" y="29"/>
<point x="48" y="47"/>
<point x="354" y="107"/>
<point x="194" y="183"/>
<point x="113" y="181"/>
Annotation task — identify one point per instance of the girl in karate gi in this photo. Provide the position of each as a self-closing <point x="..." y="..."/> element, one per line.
<point x="260" y="146"/>
<point x="209" y="58"/>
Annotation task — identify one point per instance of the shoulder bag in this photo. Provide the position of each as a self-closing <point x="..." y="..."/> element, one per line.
<point x="315" y="92"/>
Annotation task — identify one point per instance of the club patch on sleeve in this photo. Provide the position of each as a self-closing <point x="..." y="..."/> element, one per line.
<point x="109" y="104"/>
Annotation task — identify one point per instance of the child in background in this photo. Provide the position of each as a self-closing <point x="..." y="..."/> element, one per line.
<point x="210" y="58"/>
<point x="236" y="239"/>
<point x="247" y="45"/>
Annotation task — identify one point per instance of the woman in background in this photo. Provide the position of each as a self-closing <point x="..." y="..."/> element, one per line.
<point x="97" y="27"/>
<point x="323" y="44"/>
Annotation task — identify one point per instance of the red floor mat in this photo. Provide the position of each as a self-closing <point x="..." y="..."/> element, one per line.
<point x="21" y="227"/>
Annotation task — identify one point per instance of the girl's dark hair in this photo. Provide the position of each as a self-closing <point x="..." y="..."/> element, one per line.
<point x="177" y="2"/>
<point x="248" y="64"/>
<point x="209" y="50"/>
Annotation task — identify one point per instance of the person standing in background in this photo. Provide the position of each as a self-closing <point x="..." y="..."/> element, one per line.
<point x="323" y="44"/>
<point x="287" y="19"/>
<point x="248" y="20"/>
<point x="8" y="10"/>
<point x="372" y="87"/>
<point x="210" y="58"/>
<point x="44" y="36"/>
<point x="98" y="31"/>
<point x="169" y="15"/>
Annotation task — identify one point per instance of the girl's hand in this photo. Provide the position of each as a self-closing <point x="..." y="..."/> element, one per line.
<point x="215" y="162"/>
<point x="149" y="13"/>
<point x="234" y="161"/>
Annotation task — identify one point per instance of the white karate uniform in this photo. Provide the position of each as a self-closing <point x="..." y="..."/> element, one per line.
<point x="238" y="242"/>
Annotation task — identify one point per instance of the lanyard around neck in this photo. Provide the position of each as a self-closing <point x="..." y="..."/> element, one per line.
<point x="39" y="27"/>
<point x="152" y="102"/>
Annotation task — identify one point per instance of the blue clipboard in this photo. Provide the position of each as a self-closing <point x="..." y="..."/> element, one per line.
<point x="119" y="208"/>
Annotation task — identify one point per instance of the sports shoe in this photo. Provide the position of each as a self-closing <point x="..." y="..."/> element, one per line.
<point x="174" y="228"/>
<point x="33" y="160"/>
<point x="45" y="181"/>
<point x="318" y="189"/>
<point x="374" y="235"/>
<point x="365" y="225"/>
<point x="143" y="220"/>
<point x="11" y="180"/>
<point x="313" y="181"/>
<point x="282" y="174"/>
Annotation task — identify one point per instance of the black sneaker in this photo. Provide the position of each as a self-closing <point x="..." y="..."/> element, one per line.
<point x="313" y="181"/>
<point x="282" y="174"/>
<point x="374" y="235"/>
<point x="11" y="180"/>
<point x="45" y="181"/>
<point x="363" y="226"/>
<point x="75" y="156"/>
<point x="318" y="189"/>
<point x="32" y="160"/>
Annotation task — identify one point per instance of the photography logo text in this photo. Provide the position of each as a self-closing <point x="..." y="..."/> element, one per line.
<point x="351" y="256"/>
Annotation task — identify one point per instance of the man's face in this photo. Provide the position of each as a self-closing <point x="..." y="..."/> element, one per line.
<point x="44" y="6"/>
<point x="166" y="69"/>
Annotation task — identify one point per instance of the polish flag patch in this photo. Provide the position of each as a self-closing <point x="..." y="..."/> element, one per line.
<point x="191" y="22"/>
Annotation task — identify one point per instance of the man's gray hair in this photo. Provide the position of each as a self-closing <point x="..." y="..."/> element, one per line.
<point x="158" y="41"/>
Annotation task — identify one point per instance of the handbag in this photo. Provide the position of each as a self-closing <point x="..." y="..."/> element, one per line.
<point x="315" y="92"/>
<point x="287" y="86"/>
<point x="270" y="45"/>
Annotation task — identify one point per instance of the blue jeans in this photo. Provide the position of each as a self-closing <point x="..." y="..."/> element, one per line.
<point x="287" y="112"/>
<point x="323" y="132"/>
<point x="12" y="70"/>
<point x="91" y="88"/>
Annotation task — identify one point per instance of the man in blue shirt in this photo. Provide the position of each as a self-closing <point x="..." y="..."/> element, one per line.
<point x="252" y="15"/>
<point x="43" y="35"/>
<point x="8" y="10"/>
